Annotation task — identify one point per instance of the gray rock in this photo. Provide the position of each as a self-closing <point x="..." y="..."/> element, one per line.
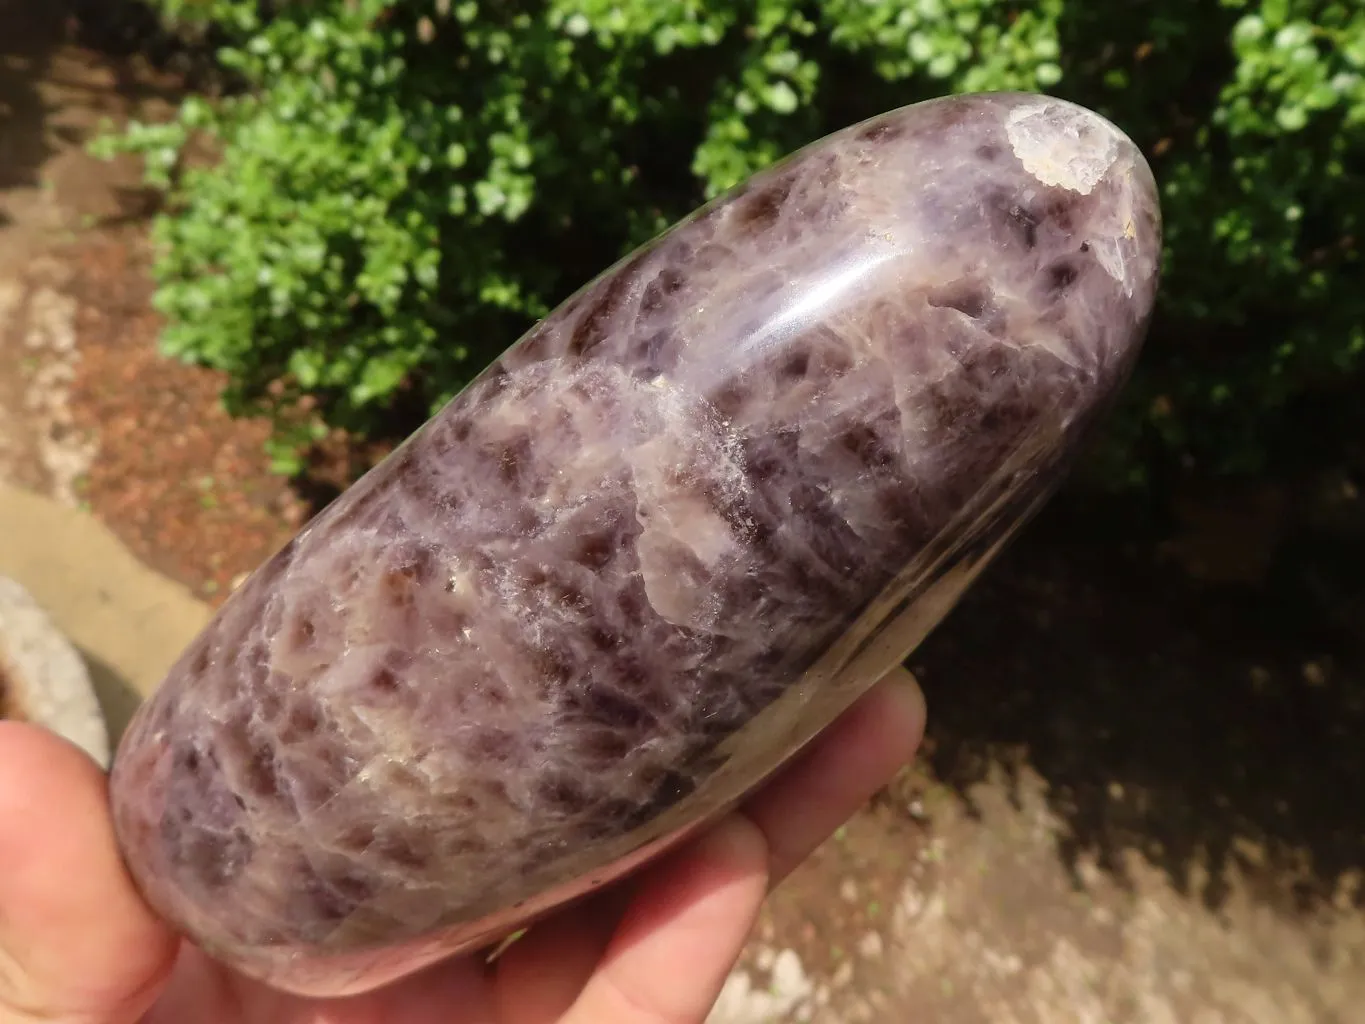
<point x="43" y="679"/>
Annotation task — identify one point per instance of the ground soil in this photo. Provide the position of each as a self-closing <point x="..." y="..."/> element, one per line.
<point x="1140" y="797"/>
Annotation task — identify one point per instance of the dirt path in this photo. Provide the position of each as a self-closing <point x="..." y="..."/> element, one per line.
<point x="1140" y="803"/>
<point x="89" y="414"/>
<point x="1141" y="799"/>
<point x="972" y="919"/>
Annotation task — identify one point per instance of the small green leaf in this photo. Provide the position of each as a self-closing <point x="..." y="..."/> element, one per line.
<point x="782" y="98"/>
<point x="1291" y="119"/>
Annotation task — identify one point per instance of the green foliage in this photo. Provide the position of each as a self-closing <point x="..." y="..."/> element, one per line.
<point x="401" y="186"/>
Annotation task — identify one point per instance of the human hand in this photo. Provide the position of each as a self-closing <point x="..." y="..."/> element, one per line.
<point x="78" y="945"/>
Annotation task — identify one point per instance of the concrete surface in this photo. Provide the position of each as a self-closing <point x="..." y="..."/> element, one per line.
<point x="128" y="622"/>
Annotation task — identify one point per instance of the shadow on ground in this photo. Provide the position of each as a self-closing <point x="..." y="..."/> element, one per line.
<point x="28" y="34"/>
<point x="119" y="699"/>
<point x="66" y="66"/>
<point x="1207" y="726"/>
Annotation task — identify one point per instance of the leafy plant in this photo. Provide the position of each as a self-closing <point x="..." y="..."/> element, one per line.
<point x="401" y="186"/>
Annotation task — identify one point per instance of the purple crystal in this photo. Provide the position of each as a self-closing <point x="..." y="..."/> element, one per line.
<point x="651" y="552"/>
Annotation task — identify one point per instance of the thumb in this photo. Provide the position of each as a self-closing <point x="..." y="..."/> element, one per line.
<point x="77" y="943"/>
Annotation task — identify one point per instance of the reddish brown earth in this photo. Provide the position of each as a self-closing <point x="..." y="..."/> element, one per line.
<point x="1140" y="798"/>
<point x="188" y="488"/>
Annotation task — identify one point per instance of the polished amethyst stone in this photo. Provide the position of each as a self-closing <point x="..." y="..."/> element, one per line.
<point x="651" y="552"/>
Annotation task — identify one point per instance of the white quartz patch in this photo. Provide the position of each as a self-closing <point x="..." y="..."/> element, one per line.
<point x="1063" y="145"/>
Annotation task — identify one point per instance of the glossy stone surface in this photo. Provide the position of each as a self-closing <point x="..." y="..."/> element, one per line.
<point x="651" y="552"/>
